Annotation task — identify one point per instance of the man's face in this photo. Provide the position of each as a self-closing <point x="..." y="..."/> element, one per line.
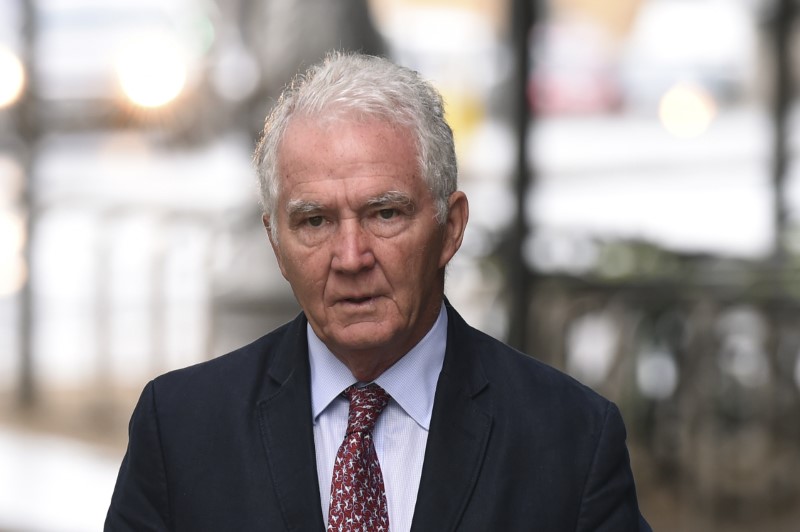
<point x="357" y="237"/>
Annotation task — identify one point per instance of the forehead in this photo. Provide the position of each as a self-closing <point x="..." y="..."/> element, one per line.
<point x="348" y="149"/>
<point x="305" y="128"/>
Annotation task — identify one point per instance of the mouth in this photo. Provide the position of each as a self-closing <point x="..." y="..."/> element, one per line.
<point x="361" y="300"/>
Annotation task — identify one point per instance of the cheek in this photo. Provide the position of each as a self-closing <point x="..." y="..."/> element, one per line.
<point x="306" y="269"/>
<point x="410" y="264"/>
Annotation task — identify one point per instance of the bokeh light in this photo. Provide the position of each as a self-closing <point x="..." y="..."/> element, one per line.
<point x="687" y="110"/>
<point x="151" y="71"/>
<point x="12" y="77"/>
<point x="656" y="374"/>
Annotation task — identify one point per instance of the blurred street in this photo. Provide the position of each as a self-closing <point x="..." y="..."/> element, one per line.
<point x="634" y="220"/>
<point x="53" y="483"/>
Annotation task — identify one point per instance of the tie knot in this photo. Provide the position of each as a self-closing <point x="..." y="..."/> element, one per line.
<point x="366" y="404"/>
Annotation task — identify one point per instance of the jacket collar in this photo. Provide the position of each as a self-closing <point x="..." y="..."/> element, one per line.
<point x="284" y="412"/>
<point x="459" y="432"/>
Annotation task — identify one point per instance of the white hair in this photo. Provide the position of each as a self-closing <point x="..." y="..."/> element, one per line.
<point x="363" y="87"/>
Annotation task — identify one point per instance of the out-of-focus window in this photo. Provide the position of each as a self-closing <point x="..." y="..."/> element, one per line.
<point x="652" y="124"/>
<point x="664" y="220"/>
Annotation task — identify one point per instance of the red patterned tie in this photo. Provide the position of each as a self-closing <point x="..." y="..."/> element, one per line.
<point x="358" y="499"/>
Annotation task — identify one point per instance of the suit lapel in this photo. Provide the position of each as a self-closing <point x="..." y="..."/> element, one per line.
<point x="457" y="441"/>
<point x="285" y="417"/>
<point x="459" y="433"/>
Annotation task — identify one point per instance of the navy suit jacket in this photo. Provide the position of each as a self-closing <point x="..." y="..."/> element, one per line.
<point x="513" y="445"/>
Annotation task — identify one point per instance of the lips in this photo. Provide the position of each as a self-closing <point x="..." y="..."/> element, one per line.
<point x="356" y="300"/>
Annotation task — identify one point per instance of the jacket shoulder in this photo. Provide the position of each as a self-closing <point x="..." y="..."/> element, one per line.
<point x="241" y="372"/>
<point x="523" y="379"/>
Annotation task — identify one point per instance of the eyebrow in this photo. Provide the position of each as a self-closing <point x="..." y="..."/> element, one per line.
<point x="392" y="197"/>
<point x="297" y="207"/>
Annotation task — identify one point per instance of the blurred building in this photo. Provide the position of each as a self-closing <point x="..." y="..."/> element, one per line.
<point x="661" y="218"/>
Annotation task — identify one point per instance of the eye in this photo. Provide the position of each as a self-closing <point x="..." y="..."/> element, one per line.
<point x="315" y="221"/>
<point x="387" y="214"/>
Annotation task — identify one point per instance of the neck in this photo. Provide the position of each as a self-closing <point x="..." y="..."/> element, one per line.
<point x="368" y="364"/>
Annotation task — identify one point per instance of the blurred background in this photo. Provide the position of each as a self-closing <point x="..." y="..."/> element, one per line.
<point x="634" y="220"/>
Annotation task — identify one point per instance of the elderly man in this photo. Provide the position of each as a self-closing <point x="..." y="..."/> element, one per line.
<point x="378" y="408"/>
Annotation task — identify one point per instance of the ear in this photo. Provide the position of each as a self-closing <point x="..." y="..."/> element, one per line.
<point x="454" y="226"/>
<point x="265" y="219"/>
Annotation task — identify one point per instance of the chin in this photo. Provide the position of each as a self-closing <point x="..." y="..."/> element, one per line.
<point x="362" y="337"/>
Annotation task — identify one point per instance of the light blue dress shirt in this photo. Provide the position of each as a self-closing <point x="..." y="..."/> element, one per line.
<point x="401" y="432"/>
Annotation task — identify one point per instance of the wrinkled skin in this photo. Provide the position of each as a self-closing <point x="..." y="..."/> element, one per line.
<point x="358" y="239"/>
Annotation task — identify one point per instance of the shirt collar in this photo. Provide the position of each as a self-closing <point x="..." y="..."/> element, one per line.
<point x="411" y="381"/>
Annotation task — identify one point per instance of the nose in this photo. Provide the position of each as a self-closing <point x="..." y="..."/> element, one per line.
<point x="352" y="248"/>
